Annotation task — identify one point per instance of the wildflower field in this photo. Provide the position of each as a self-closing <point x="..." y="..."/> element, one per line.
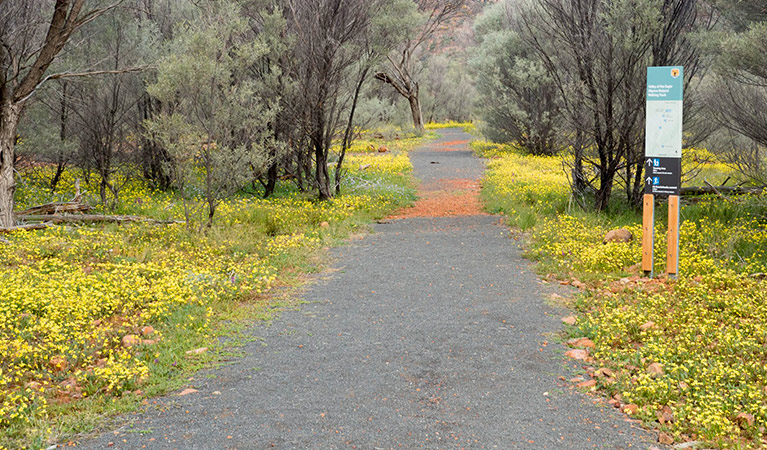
<point x="94" y="319"/>
<point x="687" y="357"/>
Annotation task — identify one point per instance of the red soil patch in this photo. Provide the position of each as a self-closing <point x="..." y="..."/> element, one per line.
<point x="453" y="143"/>
<point x="448" y="197"/>
<point x="451" y="146"/>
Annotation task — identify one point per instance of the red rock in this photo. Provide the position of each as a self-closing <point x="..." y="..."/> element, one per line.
<point x="578" y="284"/>
<point x="324" y="224"/>
<point x="569" y="320"/>
<point x="577" y="354"/>
<point x="604" y="372"/>
<point x="147" y="330"/>
<point x="587" y="384"/>
<point x="655" y="369"/>
<point x="581" y="343"/>
<point x="58" y="363"/>
<point x="187" y="392"/>
<point x="744" y="420"/>
<point x="630" y="409"/>
<point x="614" y="403"/>
<point x="647" y="325"/>
<point x="665" y="438"/>
<point x="197" y="351"/>
<point x="129" y="340"/>
<point x="148" y="341"/>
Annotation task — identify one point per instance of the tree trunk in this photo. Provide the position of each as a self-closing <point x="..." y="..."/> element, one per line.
<point x="271" y="179"/>
<point x="9" y="120"/>
<point x="349" y="128"/>
<point x="415" y="109"/>
<point x="323" y="178"/>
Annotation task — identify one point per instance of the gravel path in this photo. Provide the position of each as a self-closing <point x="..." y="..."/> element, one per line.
<point x="429" y="333"/>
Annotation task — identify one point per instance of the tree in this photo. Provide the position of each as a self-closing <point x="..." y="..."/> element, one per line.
<point x="404" y="62"/>
<point x="331" y="39"/>
<point x="517" y="97"/>
<point x="596" y="51"/>
<point x="737" y="97"/>
<point x="28" y="46"/>
<point x="218" y="124"/>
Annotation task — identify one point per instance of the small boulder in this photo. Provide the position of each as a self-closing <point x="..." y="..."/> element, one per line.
<point x="147" y="330"/>
<point x="577" y="354"/>
<point x="619" y="235"/>
<point x="744" y="420"/>
<point x="129" y="340"/>
<point x="665" y="438"/>
<point x="187" y="392"/>
<point x="383" y="149"/>
<point x="647" y="325"/>
<point x="197" y="351"/>
<point x="58" y="363"/>
<point x="655" y="369"/>
<point x="581" y="343"/>
<point x="630" y="409"/>
<point x="588" y="384"/>
<point x="569" y="320"/>
<point x="324" y="224"/>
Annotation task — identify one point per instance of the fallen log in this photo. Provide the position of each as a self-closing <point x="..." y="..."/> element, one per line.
<point x="719" y="190"/>
<point x="31" y="226"/>
<point x="55" y="208"/>
<point x="90" y="218"/>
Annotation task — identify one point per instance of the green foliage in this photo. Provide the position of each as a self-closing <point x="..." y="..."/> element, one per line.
<point x="517" y="100"/>
<point x="219" y="123"/>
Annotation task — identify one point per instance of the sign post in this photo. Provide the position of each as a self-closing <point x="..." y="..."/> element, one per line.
<point x="663" y="160"/>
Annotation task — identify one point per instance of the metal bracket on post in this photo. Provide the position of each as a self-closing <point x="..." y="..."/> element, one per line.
<point x="648" y="234"/>
<point x="672" y="255"/>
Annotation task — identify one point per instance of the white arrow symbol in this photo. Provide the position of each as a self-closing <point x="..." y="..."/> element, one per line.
<point x="649" y="162"/>
<point x="649" y="180"/>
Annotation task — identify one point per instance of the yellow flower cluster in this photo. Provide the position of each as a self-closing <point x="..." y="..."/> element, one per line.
<point x="97" y="311"/>
<point x="467" y="126"/>
<point x="708" y="330"/>
<point x="388" y="163"/>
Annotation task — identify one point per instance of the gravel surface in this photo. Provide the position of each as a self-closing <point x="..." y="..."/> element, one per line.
<point x="428" y="333"/>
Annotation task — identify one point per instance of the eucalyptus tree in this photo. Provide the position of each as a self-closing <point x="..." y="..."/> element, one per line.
<point x="405" y="62"/>
<point x="738" y="94"/>
<point x="332" y="45"/>
<point x="596" y="52"/>
<point x="32" y="34"/>
<point x="517" y="96"/>
<point x="217" y="124"/>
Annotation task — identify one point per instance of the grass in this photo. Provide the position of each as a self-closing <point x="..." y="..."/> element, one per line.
<point x="95" y="319"/>
<point x="707" y="330"/>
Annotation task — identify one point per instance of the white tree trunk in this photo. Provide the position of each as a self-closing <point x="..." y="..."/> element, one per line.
<point x="9" y="119"/>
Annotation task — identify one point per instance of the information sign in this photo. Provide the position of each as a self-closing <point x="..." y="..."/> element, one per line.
<point x="663" y="132"/>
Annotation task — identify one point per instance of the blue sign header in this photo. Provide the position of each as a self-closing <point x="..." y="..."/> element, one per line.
<point x="665" y="83"/>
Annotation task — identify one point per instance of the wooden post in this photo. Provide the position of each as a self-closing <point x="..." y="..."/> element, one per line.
<point x="672" y="260"/>
<point x="648" y="234"/>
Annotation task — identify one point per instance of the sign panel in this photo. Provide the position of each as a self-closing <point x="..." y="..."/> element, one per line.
<point x="663" y="131"/>
<point x="662" y="175"/>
